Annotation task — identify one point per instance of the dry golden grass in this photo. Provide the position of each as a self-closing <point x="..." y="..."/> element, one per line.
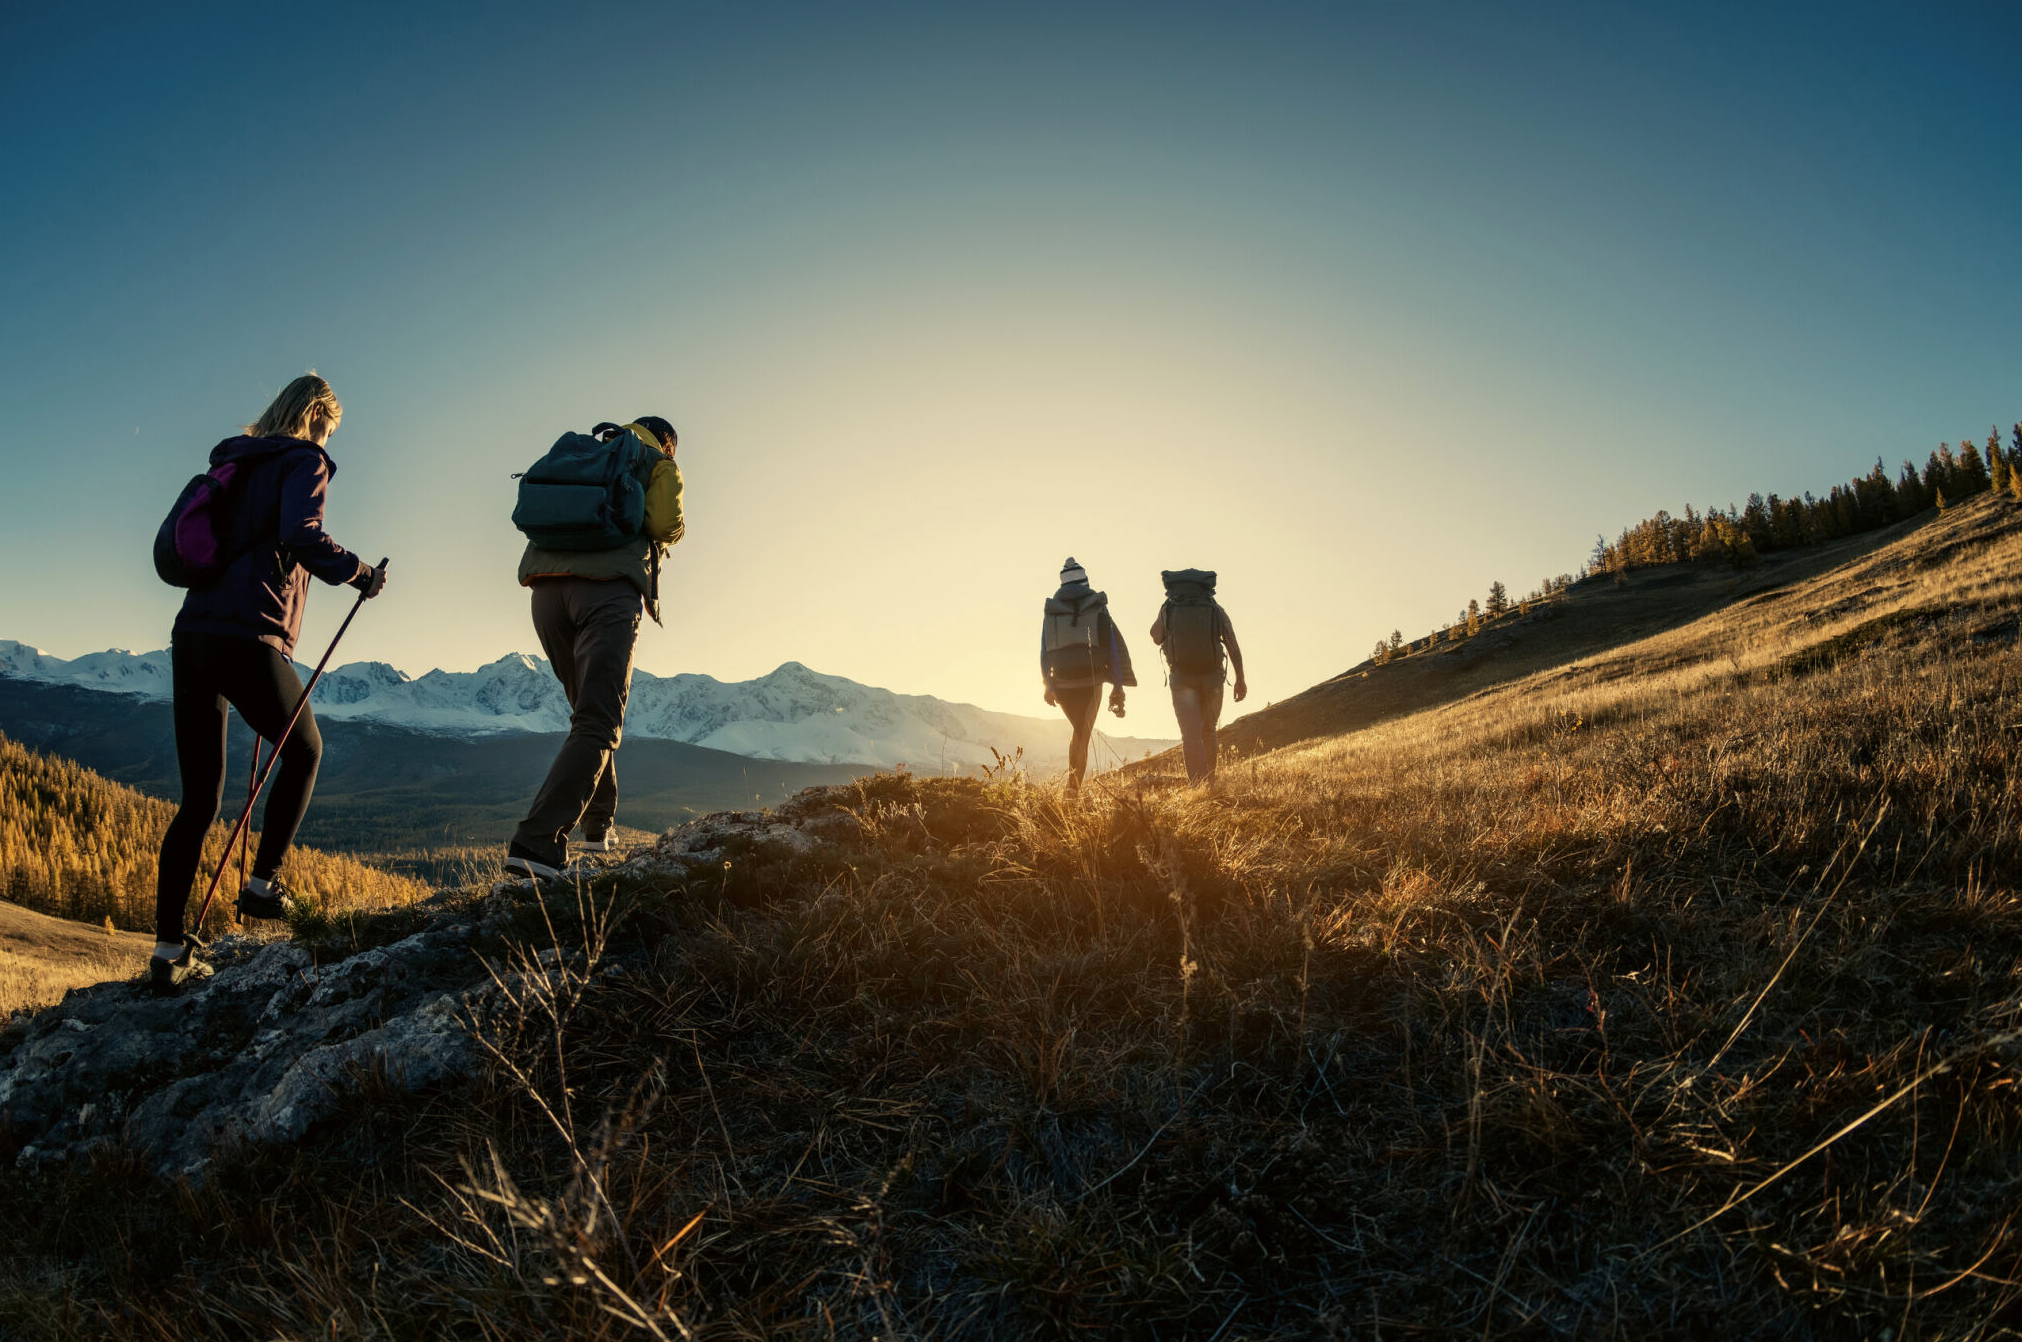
<point x="30" y="984"/>
<point x="75" y="844"/>
<point x="1593" y="619"/>
<point x="41" y="958"/>
<point x="1671" y="994"/>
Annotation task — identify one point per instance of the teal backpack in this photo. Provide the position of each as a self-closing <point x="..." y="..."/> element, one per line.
<point x="587" y="493"/>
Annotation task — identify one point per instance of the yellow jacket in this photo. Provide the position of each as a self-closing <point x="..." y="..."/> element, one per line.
<point x="664" y="522"/>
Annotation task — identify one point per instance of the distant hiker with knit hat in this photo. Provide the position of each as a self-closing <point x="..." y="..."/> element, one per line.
<point x="1079" y="650"/>
<point x="1194" y="632"/>
<point x="599" y="512"/>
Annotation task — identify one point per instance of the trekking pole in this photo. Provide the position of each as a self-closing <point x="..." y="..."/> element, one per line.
<point x="252" y="791"/>
<point x="260" y="783"/>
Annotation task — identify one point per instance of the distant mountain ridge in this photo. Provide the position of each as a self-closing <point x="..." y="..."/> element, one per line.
<point x="792" y="714"/>
<point x="387" y="789"/>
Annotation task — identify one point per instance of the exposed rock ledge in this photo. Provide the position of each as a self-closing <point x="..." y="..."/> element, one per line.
<point x="274" y="1042"/>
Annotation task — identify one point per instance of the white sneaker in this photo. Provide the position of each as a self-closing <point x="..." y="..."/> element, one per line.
<point x="597" y="843"/>
<point x="527" y="866"/>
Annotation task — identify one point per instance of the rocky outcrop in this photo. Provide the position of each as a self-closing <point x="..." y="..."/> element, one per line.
<point x="256" y="1054"/>
<point x="703" y="843"/>
<point x="274" y="1042"/>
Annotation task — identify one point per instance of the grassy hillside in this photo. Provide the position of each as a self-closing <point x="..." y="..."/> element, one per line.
<point x="1591" y="616"/>
<point x="1675" y="992"/>
<point x="41" y="957"/>
<point x="385" y="789"/>
<point x="79" y="846"/>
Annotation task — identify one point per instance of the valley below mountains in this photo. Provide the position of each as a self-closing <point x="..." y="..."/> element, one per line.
<point x="793" y="714"/>
<point x="450" y="758"/>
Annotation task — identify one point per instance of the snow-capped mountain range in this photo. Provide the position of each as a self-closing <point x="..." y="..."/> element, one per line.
<point x="791" y="714"/>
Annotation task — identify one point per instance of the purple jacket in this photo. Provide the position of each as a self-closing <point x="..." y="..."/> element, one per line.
<point x="277" y="505"/>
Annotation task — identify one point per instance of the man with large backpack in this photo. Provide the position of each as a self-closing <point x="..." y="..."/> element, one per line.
<point x="599" y="511"/>
<point x="1080" y="649"/>
<point x="1194" y="631"/>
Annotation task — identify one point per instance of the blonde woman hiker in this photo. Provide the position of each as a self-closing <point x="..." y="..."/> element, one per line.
<point x="599" y="512"/>
<point x="232" y="643"/>
<point x="1079" y="650"/>
<point x="1194" y="632"/>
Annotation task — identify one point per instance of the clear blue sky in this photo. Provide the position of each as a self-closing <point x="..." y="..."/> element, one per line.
<point x="1364" y="306"/>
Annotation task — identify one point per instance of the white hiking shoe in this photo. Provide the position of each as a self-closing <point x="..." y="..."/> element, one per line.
<point x="523" y="864"/>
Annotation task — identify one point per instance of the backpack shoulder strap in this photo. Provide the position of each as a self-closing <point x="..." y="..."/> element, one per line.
<point x="624" y="459"/>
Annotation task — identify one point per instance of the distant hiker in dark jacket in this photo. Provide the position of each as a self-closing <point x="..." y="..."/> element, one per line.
<point x="586" y="607"/>
<point x="1080" y="649"/>
<point x="231" y="645"/>
<point x="1193" y="630"/>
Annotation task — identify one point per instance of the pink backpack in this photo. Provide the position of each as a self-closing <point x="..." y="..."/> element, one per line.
<point x="194" y="544"/>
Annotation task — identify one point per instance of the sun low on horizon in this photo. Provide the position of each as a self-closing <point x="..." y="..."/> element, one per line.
<point x="855" y="673"/>
<point x="1362" y="309"/>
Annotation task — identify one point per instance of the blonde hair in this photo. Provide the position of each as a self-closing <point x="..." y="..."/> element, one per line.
<point x="296" y="408"/>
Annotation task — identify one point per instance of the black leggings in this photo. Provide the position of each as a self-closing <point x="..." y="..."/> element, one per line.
<point x="212" y="670"/>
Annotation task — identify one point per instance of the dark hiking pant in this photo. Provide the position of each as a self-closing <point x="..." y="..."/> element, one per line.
<point x="1197" y="703"/>
<point x="1082" y="704"/>
<point x="211" y="671"/>
<point x="588" y="629"/>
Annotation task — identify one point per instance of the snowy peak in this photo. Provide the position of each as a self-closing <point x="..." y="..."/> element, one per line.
<point x="374" y="673"/>
<point x="115" y="669"/>
<point x="28" y="663"/>
<point x="791" y="713"/>
<point x="355" y="682"/>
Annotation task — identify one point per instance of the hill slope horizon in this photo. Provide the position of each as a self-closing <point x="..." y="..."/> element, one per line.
<point x="1593" y="615"/>
<point x="1668" y="991"/>
<point x="1659" y="573"/>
